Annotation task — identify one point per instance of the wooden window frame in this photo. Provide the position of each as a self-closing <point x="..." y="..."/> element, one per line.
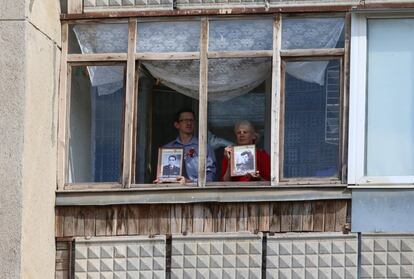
<point x="357" y="113"/>
<point x="130" y="111"/>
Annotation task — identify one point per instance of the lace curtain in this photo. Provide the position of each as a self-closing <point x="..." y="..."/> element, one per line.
<point x="228" y="78"/>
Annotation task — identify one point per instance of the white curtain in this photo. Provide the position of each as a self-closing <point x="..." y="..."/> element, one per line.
<point x="228" y="78"/>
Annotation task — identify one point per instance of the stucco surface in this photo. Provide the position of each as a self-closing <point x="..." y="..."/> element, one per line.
<point x="39" y="156"/>
<point x="12" y="90"/>
<point x="44" y="15"/>
<point x="12" y="9"/>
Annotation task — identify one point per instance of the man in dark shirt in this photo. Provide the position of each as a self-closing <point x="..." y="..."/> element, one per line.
<point x="171" y="169"/>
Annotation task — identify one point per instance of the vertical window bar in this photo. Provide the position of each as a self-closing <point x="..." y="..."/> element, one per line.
<point x="129" y="105"/>
<point x="275" y="113"/>
<point x="202" y="140"/>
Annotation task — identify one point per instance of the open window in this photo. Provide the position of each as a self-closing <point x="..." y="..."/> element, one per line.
<point x="127" y="80"/>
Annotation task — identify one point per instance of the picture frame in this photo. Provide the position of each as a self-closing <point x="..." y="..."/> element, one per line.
<point x="243" y="160"/>
<point x="170" y="163"/>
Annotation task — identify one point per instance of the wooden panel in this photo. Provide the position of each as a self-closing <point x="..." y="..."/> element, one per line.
<point x="286" y="217"/>
<point x="275" y="217"/>
<point x="297" y="212"/>
<point x="208" y="218"/>
<point x="307" y="216"/>
<point x="75" y="6"/>
<point x="90" y="221"/>
<point x="175" y="219"/>
<point x="264" y="217"/>
<point x="62" y="259"/>
<point x="132" y="220"/>
<point x="330" y="217"/>
<point x="340" y="215"/>
<point x="318" y="216"/>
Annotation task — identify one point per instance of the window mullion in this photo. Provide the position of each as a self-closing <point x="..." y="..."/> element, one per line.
<point x="202" y="144"/>
<point x="275" y="113"/>
<point x="129" y="105"/>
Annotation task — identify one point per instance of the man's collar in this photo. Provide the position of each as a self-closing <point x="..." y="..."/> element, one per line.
<point x="193" y="140"/>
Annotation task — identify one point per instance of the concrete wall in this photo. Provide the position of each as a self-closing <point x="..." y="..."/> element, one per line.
<point x="29" y="68"/>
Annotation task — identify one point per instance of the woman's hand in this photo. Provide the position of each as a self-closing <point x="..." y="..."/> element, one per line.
<point x="227" y="151"/>
<point x="254" y="176"/>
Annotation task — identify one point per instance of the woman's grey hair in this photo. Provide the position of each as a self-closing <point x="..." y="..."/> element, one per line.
<point x="248" y="124"/>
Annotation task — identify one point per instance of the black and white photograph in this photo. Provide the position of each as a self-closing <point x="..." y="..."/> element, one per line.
<point x="169" y="164"/>
<point x="243" y="160"/>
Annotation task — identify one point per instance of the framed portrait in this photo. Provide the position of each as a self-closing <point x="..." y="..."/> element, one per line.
<point x="243" y="160"/>
<point x="170" y="162"/>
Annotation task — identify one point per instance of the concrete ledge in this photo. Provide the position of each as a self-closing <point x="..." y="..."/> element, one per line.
<point x="195" y="195"/>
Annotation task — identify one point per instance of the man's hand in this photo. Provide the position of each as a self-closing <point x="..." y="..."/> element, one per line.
<point x="182" y="180"/>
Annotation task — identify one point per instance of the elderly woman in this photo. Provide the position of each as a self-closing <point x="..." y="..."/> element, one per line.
<point x="245" y="135"/>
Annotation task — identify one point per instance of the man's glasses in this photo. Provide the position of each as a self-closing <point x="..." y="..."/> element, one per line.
<point x="186" y="120"/>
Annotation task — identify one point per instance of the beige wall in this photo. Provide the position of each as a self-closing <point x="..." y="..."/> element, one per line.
<point x="29" y="67"/>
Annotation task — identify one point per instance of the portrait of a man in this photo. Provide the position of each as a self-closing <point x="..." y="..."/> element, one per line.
<point x="170" y="162"/>
<point x="243" y="160"/>
<point x="171" y="169"/>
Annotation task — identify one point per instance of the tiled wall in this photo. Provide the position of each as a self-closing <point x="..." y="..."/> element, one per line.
<point x="225" y="256"/>
<point x="120" y="258"/>
<point x="312" y="256"/>
<point x="246" y="255"/>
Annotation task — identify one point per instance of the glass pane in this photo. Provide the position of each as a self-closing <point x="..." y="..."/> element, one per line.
<point x="306" y="33"/>
<point x="312" y="119"/>
<point x="240" y="34"/>
<point x="182" y="36"/>
<point x="239" y="90"/>
<point x="390" y="98"/>
<point x="98" y="38"/>
<point x="95" y="132"/>
<point x="165" y="87"/>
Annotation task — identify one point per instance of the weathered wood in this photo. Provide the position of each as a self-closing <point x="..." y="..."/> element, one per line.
<point x="318" y="210"/>
<point x="176" y="219"/>
<point x="253" y="217"/>
<point x="129" y="105"/>
<point x="203" y="104"/>
<point x="100" y="221"/>
<point x="330" y="216"/>
<point x="111" y="220"/>
<point x="62" y="274"/>
<point x="69" y="222"/>
<point x="90" y="221"/>
<point x="208" y="218"/>
<point x="75" y="6"/>
<point x="219" y="220"/>
<point x="144" y="220"/>
<point x="93" y="186"/>
<point x="340" y="215"/>
<point x="312" y="52"/>
<point x="241" y="217"/>
<point x="297" y="217"/>
<point x="240" y="54"/>
<point x="198" y="222"/>
<point x="286" y="217"/>
<point x="231" y="218"/>
<point x="59" y="220"/>
<point x="307" y="217"/>
<point x="167" y="56"/>
<point x="164" y="220"/>
<point x="264" y="217"/>
<point x="276" y="80"/>
<point x="79" y="221"/>
<point x="63" y="93"/>
<point x="187" y="218"/>
<point x="97" y="57"/>
<point x="345" y="99"/>
<point x="132" y="220"/>
<point x="275" y="216"/>
<point x="122" y="221"/>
